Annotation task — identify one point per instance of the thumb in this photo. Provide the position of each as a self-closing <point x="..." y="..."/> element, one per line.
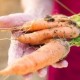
<point x="13" y="20"/>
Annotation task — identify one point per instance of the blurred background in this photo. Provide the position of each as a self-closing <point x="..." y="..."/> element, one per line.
<point x="8" y="7"/>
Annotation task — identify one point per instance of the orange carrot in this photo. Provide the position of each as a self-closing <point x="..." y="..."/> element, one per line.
<point x="46" y="23"/>
<point x="38" y="25"/>
<point x="38" y="36"/>
<point x="48" y="54"/>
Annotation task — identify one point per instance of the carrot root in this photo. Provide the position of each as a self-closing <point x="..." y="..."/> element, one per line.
<point x="37" y="37"/>
<point x="48" y="54"/>
<point x="46" y="23"/>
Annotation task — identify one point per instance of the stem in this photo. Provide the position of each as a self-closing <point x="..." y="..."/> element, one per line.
<point x="75" y="42"/>
<point x="10" y="29"/>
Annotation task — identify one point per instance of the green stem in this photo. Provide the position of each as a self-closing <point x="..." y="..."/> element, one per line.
<point x="75" y="42"/>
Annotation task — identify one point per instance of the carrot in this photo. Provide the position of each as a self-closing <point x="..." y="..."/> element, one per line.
<point x="39" y="24"/>
<point x="38" y="36"/>
<point x="46" y="23"/>
<point x="48" y="54"/>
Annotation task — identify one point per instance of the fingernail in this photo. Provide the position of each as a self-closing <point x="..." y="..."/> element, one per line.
<point x="65" y="63"/>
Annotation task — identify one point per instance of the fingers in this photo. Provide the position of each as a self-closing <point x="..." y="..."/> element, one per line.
<point x="42" y="73"/>
<point x="61" y="64"/>
<point x="12" y="20"/>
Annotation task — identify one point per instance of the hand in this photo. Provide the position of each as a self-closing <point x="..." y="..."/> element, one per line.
<point x="18" y="49"/>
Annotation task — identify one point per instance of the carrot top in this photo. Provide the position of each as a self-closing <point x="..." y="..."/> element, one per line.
<point x="76" y="41"/>
<point x="76" y="18"/>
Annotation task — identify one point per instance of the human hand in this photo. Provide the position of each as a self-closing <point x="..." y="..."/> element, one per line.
<point x="21" y="49"/>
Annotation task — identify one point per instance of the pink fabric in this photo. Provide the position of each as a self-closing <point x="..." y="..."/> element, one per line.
<point x="74" y="5"/>
<point x="72" y="72"/>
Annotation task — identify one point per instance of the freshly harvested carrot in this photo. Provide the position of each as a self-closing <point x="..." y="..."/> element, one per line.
<point x="48" y="54"/>
<point x="38" y="25"/>
<point x="46" y="23"/>
<point x="38" y="36"/>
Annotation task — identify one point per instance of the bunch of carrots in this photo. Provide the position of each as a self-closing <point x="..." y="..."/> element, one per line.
<point x="49" y="32"/>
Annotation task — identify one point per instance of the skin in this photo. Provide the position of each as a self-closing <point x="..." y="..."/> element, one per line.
<point x="19" y="19"/>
